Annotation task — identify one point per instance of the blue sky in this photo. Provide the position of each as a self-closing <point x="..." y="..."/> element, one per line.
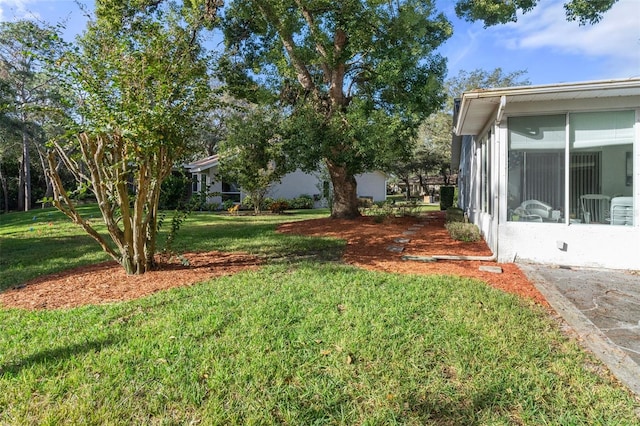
<point x="542" y="42"/>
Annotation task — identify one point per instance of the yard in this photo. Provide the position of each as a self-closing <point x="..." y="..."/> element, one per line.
<point x="310" y="333"/>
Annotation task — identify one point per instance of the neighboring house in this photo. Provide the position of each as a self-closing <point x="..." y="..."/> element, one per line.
<point x="372" y="185"/>
<point x="551" y="174"/>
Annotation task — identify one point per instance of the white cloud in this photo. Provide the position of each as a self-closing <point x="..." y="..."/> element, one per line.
<point x="16" y="9"/>
<point x="617" y="35"/>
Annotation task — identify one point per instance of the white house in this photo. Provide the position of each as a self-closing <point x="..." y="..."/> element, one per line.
<point x="551" y="174"/>
<point x="204" y="172"/>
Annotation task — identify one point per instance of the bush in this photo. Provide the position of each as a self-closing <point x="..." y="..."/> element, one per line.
<point x="304" y="201"/>
<point x="227" y="204"/>
<point x="446" y="196"/>
<point x="460" y="231"/>
<point x="365" y="202"/>
<point x="278" y="206"/>
<point x="174" y="191"/>
<point x="380" y="211"/>
<point x="454" y="214"/>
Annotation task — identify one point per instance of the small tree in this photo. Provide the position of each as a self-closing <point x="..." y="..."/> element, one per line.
<point x="142" y="85"/>
<point x="252" y="155"/>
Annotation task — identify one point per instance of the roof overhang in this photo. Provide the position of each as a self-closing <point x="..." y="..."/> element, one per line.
<point x="479" y="107"/>
<point x="203" y="164"/>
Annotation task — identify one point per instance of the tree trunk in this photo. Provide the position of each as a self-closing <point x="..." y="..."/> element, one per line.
<point x="408" y="184"/>
<point x="5" y="191"/>
<point x="20" y="184"/>
<point x="26" y="165"/>
<point x="345" y="192"/>
<point x="49" y="192"/>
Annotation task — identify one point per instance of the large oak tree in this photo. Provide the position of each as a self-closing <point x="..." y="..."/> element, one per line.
<point x="493" y="12"/>
<point x="357" y="77"/>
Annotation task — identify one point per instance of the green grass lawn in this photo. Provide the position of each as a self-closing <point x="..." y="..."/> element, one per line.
<point x="304" y="340"/>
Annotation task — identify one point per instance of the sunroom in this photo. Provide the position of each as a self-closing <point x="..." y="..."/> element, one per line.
<point x="550" y="173"/>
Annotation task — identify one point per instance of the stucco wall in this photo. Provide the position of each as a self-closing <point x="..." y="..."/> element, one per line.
<point x="606" y="246"/>
<point x="298" y="183"/>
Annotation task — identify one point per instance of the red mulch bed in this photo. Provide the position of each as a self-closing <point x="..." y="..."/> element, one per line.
<point x="367" y="243"/>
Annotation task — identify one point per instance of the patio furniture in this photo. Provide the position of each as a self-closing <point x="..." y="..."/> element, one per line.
<point x="595" y="208"/>
<point x="536" y="211"/>
<point x="622" y="211"/>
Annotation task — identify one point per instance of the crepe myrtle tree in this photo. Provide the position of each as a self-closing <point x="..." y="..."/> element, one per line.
<point x="344" y="70"/>
<point x="142" y="85"/>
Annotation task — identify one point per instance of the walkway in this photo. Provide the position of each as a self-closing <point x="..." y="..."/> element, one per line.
<point x="602" y="307"/>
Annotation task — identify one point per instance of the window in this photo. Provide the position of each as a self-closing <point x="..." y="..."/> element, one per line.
<point x="194" y="183"/>
<point x="600" y="191"/>
<point x="536" y="168"/>
<point x="600" y="180"/>
<point x="198" y="182"/>
<point x="230" y="191"/>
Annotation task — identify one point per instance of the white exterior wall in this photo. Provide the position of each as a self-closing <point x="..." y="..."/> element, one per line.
<point x="292" y="185"/>
<point x="587" y="245"/>
<point x="372" y="184"/>
<point x="295" y="184"/>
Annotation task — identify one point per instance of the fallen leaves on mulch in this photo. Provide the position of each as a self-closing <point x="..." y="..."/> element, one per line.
<point x="367" y="243"/>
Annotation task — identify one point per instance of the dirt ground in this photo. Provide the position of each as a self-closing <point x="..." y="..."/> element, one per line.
<point x="367" y="247"/>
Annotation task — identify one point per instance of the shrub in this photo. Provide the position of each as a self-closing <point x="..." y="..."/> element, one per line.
<point x="365" y="202"/>
<point x="227" y="204"/>
<point x="454" y="214"/>
<point x="460" y="231"/>
<point x="304" y="201"/>
<point x="379" y="211"/>
<point x="278" y="206"/>
<point x="446" y="196"/>
<point x="174" y="191"/>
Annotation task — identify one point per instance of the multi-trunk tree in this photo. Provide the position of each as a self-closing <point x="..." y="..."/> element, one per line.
<point x="142" y="86"/>
<point x="356" y="77"/>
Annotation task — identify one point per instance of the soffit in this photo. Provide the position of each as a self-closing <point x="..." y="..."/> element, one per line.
<point x="478" y="107"/>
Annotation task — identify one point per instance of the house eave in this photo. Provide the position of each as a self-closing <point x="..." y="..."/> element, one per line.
<point x="479" y="107"/>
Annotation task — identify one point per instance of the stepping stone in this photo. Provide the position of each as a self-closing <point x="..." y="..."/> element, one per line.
<point x="492" y="269"/>
<point x="409" y="233"/>
<point x="417" y="225"/>
<point x="402" y="240"/>
<point x="395" y="249"/>
<point x="414" y="228"/>
<point x="419" y="258"/>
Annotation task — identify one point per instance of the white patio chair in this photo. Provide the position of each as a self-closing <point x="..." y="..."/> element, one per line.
<point x="595" y="208"/>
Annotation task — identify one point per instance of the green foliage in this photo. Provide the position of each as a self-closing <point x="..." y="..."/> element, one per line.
<point x="454" y="214"/>
<point x="142" y="78"/>
<point x="501" y="12"/>
<point x="304" y="201"/>
<point x="252" y="155"/>
<point x="31" y="105"/>
<point x="446" y="197"/>
<point x="227" y="204"/>
<point x="174" y="191"/>
<point x="355" y="77"/>
<point x="461" y="231"/>
<point x="279" y="206"/>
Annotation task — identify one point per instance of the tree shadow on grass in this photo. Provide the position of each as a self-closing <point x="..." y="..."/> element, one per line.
<point x="55" y="355"/>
